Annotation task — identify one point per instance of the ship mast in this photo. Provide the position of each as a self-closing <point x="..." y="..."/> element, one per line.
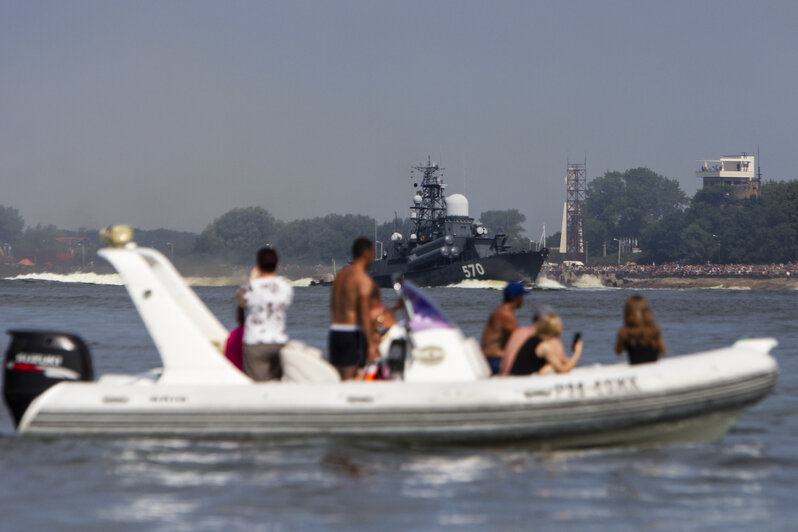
<point x="429" y="206"/>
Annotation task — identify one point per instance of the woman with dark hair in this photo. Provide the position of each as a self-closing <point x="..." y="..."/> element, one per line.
<point x="639" y="337"/>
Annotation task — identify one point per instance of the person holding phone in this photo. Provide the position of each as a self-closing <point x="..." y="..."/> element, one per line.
<point x="520" y="337"/>
<point x="544" y="352"/>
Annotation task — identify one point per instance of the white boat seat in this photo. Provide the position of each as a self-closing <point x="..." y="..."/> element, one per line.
<point x="304" y="363"/>
<point x="120" y="379"/>
<point x="473" y="353"/>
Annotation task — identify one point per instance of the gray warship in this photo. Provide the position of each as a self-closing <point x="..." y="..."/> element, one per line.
<point x="446" y="245"/>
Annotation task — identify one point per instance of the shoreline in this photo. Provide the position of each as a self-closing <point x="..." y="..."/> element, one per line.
<point x="215" y="274"/>
<point x="576" y="279"/>
<point x="566" y="278"/>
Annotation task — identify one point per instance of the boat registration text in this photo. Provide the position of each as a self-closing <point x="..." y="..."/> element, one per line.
<point x="600" y="387"/>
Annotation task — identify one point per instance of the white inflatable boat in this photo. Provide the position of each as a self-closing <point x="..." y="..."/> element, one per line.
<point x="442" y="391"/>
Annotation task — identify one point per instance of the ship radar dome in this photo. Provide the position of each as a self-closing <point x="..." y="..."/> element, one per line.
<point x="396" y="237"/>
<point x="417" y="199"/>
<point x="457" y="205"/>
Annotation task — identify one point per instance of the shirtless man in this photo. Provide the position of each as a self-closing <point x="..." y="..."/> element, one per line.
<point x="501" y="325"/>
<point x="351" y="340"/>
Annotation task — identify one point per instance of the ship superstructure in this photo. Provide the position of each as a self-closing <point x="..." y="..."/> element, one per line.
<point x="447" y="245"/>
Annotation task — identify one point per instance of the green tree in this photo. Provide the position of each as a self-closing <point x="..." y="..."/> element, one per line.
<point x="764" y="229"/>
<point x="238" y="234"/>
<point x="699" y="244"/>
<point x="721" y="228"/>
<point x="663" y="240"/>
<point x="11" y="224"/>
<point x="623" y="205"/>
<point x="171" y="243"/>
<point x="507" y="221"/>
<point x="319" y="240"/>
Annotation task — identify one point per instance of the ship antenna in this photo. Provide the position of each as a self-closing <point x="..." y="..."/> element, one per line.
<point x="465" y="176"/>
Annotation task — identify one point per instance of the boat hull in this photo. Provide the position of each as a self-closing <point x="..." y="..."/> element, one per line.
<point x="521" y="266"/>
<point x="604" y="405"/>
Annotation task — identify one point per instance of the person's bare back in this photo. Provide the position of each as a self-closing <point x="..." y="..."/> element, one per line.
<point x="350" y="286"/>
<point x="351" y="339"/>
<point x="497" y="331"/>
<point x="501" y="324"/>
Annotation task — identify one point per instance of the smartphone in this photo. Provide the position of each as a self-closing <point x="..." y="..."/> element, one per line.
<point x="577" y="337"/>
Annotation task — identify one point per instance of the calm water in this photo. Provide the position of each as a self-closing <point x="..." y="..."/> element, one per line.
<point x="746" y="481"/>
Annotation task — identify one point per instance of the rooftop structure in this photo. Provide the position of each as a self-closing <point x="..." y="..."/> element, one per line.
<point x="737" y="171"/>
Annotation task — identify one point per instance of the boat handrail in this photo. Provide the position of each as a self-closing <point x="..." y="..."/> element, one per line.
<point x="185" y="332"/>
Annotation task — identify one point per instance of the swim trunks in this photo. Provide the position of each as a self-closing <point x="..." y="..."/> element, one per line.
<point x="347" y="346"/>
<point x="495" y="364"/>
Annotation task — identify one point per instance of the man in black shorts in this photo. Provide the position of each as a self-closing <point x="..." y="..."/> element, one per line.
<point x="347" y="346"/>
<point x="351" y="342"/>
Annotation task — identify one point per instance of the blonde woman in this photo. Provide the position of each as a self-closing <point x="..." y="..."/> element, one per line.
<point x="544" y="352"/>
<point x="640" y="336"/>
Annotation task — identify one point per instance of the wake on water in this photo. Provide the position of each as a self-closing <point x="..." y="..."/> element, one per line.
<point x="544" y="283"/>
<point x="479" y="283"/>
<point x="85" y="278"/>
<point x="588" y="281"/>
<point x="113" y="279"/>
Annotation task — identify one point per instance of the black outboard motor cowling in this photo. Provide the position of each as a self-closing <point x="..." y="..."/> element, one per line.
<point x="37" y="360"/>
<point x="397" y="354"/>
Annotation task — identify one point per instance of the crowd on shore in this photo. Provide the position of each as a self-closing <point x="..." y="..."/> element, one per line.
<point x="764" y="271"/>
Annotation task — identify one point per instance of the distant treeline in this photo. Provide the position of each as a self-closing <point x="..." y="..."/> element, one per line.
<point x="237" y="234"/>
<point x="650" y="211"/>
<point x="233" y="238"/>
<point x="637" y="207"/>
<point x="50" y="246"/>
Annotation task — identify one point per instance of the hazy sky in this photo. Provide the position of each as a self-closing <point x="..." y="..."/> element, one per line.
<point x="168" y="114"/>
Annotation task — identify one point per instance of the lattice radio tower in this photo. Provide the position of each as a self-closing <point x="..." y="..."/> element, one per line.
<point x="576" y="185"/>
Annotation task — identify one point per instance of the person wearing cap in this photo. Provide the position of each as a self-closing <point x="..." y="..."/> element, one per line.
<point x="501" y="324"/>
<point x="520" y="337"/>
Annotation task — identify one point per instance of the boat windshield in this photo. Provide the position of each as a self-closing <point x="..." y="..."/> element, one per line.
<point x="425" y="313"/>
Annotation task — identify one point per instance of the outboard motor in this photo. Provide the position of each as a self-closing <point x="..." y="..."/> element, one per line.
<point x="37" y="360"/>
